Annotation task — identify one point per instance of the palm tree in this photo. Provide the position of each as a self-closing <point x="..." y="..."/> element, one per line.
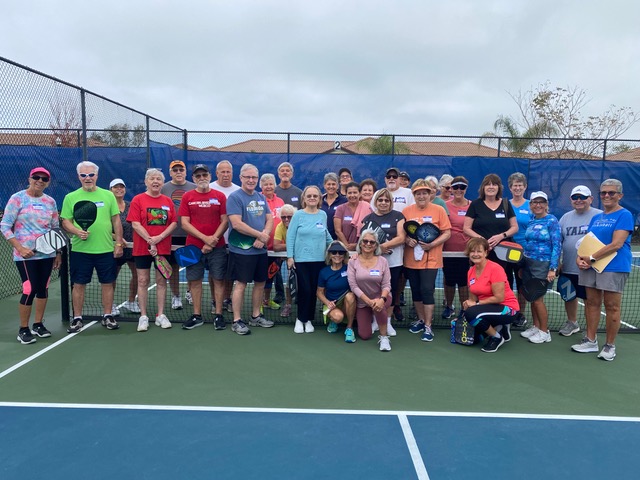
<point x="518" y="142"/>
<point x="384" y="145"/>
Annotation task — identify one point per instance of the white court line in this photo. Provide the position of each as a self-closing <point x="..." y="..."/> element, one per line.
<point x="311" y="411"/>
<point x="44" y="350"/>
<point x="602" y="313"/>
<point x="414" y="451"/>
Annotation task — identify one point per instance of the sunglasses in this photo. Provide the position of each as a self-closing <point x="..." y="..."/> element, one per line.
<point x="459" y="187"/>
<point x="577" y="197"/>
<point x="368" y="242"/>
<point x="38" y="177"/>
<point x="336" y="253"/>
<point x="389" y="177"/>
<point x="200" y="175"/>
<point x="285" y="217"/>
<point x="447" y="188"/>
<point x="609" y="193"/>
<point x="177" y="169"/>
<point x="383" y="200"/>
<point x="85" y="175"/>
<point x="312" y="196"/>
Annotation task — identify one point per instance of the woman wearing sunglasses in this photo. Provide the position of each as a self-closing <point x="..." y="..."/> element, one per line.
<point x="455" y="268"/>
<point x="29" y="214"/>
<point x="333" y="290"/>
<point x="280" y="245"/>
<point x="370" y="281"/>
<point x="613" y="227"/>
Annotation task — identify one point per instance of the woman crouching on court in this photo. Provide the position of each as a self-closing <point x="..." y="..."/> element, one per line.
<point x="30" y="213"/>
<point x="492" y="305"/>
<point x="613" y="227"/>
<point x="370" y="280"/>
<point x="153" y="218"/>
<point x="333" y="290"/>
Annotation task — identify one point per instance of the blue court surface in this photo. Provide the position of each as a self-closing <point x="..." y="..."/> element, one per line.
<point x="59" y="441"/>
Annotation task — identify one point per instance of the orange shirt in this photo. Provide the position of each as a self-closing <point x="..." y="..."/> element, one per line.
<point x="432" y="214"/>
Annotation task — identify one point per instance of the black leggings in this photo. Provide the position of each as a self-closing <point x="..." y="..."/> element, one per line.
<point x="307" y="273"/>
<point x="35" y="275"/>
<point x="489" y="315"/>
<point x="422" y="283"/>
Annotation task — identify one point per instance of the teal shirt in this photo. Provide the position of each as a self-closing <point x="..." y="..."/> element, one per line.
<point x="308" y="236"/>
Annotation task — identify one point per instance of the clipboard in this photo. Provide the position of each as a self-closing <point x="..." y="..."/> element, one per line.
<point x="591" y="244"/>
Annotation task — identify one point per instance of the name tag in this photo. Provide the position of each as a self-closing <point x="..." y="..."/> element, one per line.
<point x="525" y="212"/>
<point x="461" y="213"/>
<point x="214" y="201"/>
<point x="38" y="206"/>
<point x="386" y="225"/>
<point x="294" y="199"/>
<point x="165" y="208"/>
<point x="500" y="215"/>
<point x="99" y="204"/>
<point x="374" y="273"/>
<point x="319" y="226"/>
<point x="472" y="281"/>
<point x="348" y="219"/>
<point x="343" y="274"/>
<point x="400" y="200"/>
<point x="427" y="219"/>
<point x="260" y="202"/>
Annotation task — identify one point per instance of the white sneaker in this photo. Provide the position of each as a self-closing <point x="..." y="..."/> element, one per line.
<point x="143" y="323"/>
<point x="374" y="325"/>
<point x="162" y="321"/>
<point x="385" y="344"/>
<point x="133" y="307"/>
<point x="115" y="311"/>
<point x="176" y="302"/>
<point x="299" y="327"/>
<point x="529" y="332"/>
<point x="540" y="337"/>
<point x="390" y="330"/>
<point x="308" y="327"/>
<point x="608" y="352"/>
<point x="188" y="297"/>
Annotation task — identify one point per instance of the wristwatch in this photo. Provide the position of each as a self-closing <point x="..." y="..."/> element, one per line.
<point x="384" y="298"/>
<point x="504" y="234"/>
<point x="591" y="259"/>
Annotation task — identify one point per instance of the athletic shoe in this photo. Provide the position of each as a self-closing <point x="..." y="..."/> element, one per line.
<point x="75" y="325"/>
<point x="308" y="327"/>
<point x="505" y="331"/>
<point x="286" y="311"/>
<point x="427" y="336"/>
<point x="540" y="337"/>
<point x="143" y="323"/>
<point x="260" y="321"/>
<point x="608" y="352"/>
<point x="529" y="332"/>
<point x="227" y="305"/>
<point x="271" y="304"/>
<point x="448" y="312"/>
<point x="240" y="327"/>
<point x="493" y="344"/>
<point x="188" y="297"/>
<point x="193" y="322"/>
<point x="585" y="346"/>
<point x="298" y="327"/>
<point x="349" y="336"/>
<point x="520" y="320"/>
<point x="219" y="323"/>
<point x="390" y="330"/>
<point x="133" y="307"/>
<point x="115" y="311"/>
<point x="569" y="329"/>
<point x="332" y="327"/>
<point x="385" y="345"/>
<point x="397" y="312"/>
<point x="109" y="322"/>
<point x="417" y="326"/>
<point x="40" y="330"/>
<point x="176" y="302"/>
<point x="162" y="321"/>
<point x="25" y="337"/>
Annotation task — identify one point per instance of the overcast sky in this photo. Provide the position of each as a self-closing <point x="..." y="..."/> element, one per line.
<point x="403" y="66"/>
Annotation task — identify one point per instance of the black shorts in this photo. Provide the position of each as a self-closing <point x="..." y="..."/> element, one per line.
<point x="248" y="268"/>
<point x="127" y="256"/>
<point x="455" y="271"/>
<point x="82" y="265"/>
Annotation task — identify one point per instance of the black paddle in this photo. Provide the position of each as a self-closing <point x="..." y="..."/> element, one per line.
<point x="85" y="213"/>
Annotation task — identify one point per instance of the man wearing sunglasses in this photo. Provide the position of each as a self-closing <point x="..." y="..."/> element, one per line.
<point x="175" y="189"/>
<point x="574" y="226"/>
<point x="402" y="197"/>
<point x="95" y="247"/>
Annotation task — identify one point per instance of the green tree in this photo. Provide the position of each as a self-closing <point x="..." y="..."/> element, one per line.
<point x="121" y="135"/>
<point x="514" y="140"/>
<point x="384" y="145"/>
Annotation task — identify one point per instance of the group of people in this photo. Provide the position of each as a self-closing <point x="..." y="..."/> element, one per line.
<point x="236" y="227"/>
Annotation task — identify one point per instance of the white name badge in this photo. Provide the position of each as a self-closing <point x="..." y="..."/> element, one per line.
<point x="427" y="219"/>
<point x="38" y="206"/>
<point x="374" y="273"/>
<point x="319" y="226"/>
<point x="386" y="225"/>
<point x="165" y="208"/>
<point x="99" y="204"/>
<point x="214" y="201"/>
<point x="525" y="212"/>
<point x="294" y="199"/>
<point x="343" y="274"/>
<point x="260" y="202"/>
<point x="461" y="213"/>
<point x="472" y="281"/>
<point x="500" y="215"/>
<point x="348" y="219"/>
<point x="400" y="200"/>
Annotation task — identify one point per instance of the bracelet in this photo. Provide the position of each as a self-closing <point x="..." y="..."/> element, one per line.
<point x="119" y="244"/>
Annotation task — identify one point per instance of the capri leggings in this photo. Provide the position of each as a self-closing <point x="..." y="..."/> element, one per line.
<point x="422" y="283"/>
<point x="35" y="275"/>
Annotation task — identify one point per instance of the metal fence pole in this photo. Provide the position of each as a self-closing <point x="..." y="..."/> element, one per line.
<point x="83" y="108"/>
<point x="146" y="117"/>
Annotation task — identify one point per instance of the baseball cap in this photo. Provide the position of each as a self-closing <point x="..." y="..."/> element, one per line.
<point x="535" y="195"/>
<point x="40" y="170"/>
<point x="176" y="163"/>
<point x="200" y="166"/>
<point x="581" y="190"/>
<point x="404" y="175"/>
<point x="393" y="169"/>
<point x="116" y="181"/>
<point x="421" y="187"/>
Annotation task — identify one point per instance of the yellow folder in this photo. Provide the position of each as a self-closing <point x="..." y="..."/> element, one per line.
<point x="588" y="246"/>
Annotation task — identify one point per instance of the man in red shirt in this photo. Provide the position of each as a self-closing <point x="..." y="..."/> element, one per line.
<point x="203" y="214"/>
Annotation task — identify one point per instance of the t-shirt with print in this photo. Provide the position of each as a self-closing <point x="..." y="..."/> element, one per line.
<point x="155" y="214"/>
<point x="573" y="227"/>
<point x="431" y="214"/>
<point x="100" y="239"/>
<point x="389" y="224"/>
<point x="253" y="210"/>
<point x="603" y="225"/>
<point x="523" y="216"/>
<point x="204" y="211"/>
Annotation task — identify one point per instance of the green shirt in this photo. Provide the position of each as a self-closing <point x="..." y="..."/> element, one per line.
<point x="100" y="239"/>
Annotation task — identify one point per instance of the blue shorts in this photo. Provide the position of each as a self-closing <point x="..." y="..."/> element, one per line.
<point x="82" y="265"/>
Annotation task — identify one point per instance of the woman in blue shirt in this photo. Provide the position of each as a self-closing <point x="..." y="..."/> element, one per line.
<point x="517" y="183"/>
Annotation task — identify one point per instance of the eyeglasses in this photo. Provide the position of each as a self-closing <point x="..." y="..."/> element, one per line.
<point x="368" y="242"/>
<point x="459" y="187"/>
<point x="609" y="193"/>
<point x="447" y="188"/>
<point x="312" y="196"/>
<point x="345" y="175"/>
<point x="177" y="169"/>
<point x="577" y="197"/>
<point x="389" y="177"/>
<point x="38" y="177"/>
<point x="383" y="200"/>
<point x="200" y="175"/>
<point x="336" y="253"/>
<point x="537" y="202"/>
<point x="249" y="177"/>
<point x="85" y="175"/>
<point x="285" y="217"/>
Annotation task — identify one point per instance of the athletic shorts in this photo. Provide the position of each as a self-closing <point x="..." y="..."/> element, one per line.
<point x="82" y="265"/>
<point x="248" y="268"/>
<point x="215" y="261"/>
<point x="607" y="281"/>
<point x="127" y="256"/>
<point x="455" y="271"/>
<point x="143" y="262"/>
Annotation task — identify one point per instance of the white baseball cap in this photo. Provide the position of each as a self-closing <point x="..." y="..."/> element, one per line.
<point x="535" y="195"/>
<point x="581" y="190"/>
<point x="116" y="181"/>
